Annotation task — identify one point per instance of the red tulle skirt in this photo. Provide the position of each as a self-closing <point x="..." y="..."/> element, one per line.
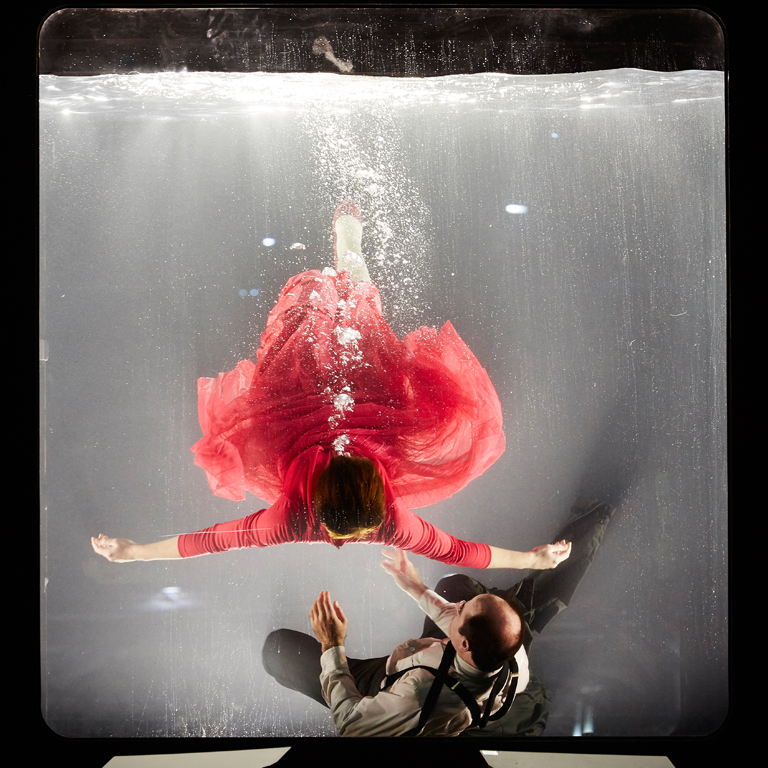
<point x="331" y="372"/>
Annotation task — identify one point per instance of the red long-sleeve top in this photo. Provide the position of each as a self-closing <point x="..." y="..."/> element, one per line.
<point x="291" y="518"/>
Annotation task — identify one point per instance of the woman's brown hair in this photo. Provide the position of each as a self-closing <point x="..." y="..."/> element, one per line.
<point x="349" y="497"/>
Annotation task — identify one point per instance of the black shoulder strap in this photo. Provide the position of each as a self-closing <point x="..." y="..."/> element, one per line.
<point x="514" y="671"/>
<point x="443" y="678"/>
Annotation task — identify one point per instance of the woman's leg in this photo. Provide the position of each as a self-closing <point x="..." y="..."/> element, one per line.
<point x="348" y="238"/>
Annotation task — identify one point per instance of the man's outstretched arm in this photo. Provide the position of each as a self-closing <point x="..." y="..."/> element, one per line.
<point x="402" y="570"/>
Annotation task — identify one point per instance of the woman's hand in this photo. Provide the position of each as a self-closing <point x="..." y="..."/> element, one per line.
<point x="328" y="622"/>
<point x="115" y="550"/>
<point x="550" y="555"/>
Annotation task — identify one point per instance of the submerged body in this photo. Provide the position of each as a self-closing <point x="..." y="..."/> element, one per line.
<point x="331" y="373"/>
<point x="292" y="518"/>
<point x="331" y="378"/>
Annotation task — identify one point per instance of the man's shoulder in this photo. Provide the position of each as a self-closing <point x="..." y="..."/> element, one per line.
<point x="422" y="663"/>
<point x="419" y="680"/>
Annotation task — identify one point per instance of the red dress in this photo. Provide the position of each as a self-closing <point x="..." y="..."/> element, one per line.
<point x="330" y="373"/>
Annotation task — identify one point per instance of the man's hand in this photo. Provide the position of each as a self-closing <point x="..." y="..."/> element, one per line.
<point x="402" y="570"/>
<point x="328" y="622"/>
<point x="550" y="555"/>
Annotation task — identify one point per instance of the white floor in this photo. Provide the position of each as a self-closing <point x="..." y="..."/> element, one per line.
<point x="260" y="758"/>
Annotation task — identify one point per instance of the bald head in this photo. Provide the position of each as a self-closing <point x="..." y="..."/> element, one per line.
<point x="493" y="630"/>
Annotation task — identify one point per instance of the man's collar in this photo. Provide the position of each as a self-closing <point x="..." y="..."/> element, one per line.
<point x="470" y="671"/>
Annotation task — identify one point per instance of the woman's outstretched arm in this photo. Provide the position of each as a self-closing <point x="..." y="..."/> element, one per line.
<point x="539" y="558"/>
<point x="125" y="550"/>
<point x="407" y="531"/>
<point x="264" y="528"/>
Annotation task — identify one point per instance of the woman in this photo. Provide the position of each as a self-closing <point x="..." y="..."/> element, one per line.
<point x="342" y="427"/>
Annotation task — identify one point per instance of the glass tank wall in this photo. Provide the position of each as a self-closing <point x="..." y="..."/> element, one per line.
<point x="571" y="223"/>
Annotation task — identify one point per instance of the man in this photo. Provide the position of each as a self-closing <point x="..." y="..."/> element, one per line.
<point x="467" y="667"/>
